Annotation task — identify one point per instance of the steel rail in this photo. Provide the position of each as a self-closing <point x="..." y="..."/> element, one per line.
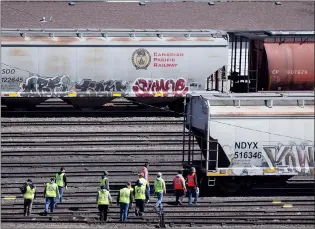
<point x="93" y="123"/>
<point x="176" y="211"/>
<point x="204" y="203"/>
<point x="89" y="134"/>
<point x="177" y="222"/>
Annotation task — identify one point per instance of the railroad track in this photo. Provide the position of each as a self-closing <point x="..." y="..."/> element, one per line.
<point x="263" y="211"/>
<point x="88" y="147"/>
<point x="90" y="123"/>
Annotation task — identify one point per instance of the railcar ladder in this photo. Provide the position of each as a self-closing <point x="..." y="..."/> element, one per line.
<point x="213" y="163"/>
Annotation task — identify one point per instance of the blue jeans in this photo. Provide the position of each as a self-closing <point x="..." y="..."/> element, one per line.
<point x="60" y="193"/>
<point x="192" y="191"/>
<point x="158" y="204"/>
<point x="124" y="208"/>
<point x="147" y="194"/>
<point x="50" y="203"/>
<point x="60" y="196"/>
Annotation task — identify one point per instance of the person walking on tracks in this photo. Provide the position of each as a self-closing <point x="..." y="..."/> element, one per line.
<point x="159" y="189"/>
<point x="61" y="181"/>
<point x="103" y="200"/>
<point x="29" y="194"/>
<point x="131" y="190"/>
<point x="51" y="192"/>
<point x="139" y="190"/>
<point x="192" y="186"/>
<point x="104" y="180"/>
<point x="179" y="187"/>
<point x="124" y="199"/>
<point x="145" y="173"/>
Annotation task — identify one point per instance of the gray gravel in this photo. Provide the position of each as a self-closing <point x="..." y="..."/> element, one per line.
<point x="109" y="225"/>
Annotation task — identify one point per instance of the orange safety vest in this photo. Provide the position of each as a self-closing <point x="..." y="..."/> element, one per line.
<point x="191" y="180"/>
<point x="178" y="185"/>
<point x="146" y="173"/>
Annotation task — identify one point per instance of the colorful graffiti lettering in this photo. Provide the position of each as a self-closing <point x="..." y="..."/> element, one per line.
<point x="48" y="86"/>
<point x="159" y="87"/>
<point x="101" y="86"/>
<point x="298" y="157"/>
<point x="57" y="86"/>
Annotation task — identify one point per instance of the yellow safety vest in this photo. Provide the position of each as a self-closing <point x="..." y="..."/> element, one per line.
<point x="30" y="193"/>
<point x="158" y="185"/>
<point x="140" y="193"/>
<point x="103" y="181"/>
<point x="51" y="190"/>
<point x="103" y="198"/>
<point x="124" y="195"/>
<point x="59" y="179"/>
<point x="143" y="181"/>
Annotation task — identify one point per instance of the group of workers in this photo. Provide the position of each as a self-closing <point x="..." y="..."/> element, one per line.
<point x="140" y="194"/>
<point x="53" y="192"/>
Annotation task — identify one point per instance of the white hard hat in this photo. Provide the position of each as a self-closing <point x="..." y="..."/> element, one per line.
<point x="159" y="174"/>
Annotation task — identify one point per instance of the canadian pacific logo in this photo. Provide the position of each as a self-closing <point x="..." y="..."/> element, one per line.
<point x="141" y="59"/>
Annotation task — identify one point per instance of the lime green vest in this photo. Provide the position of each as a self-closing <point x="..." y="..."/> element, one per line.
<point x="59" y="179"/>
<point x="158" y="185"/>
<point x="103" y="181"/>
<point x="124" y="195"/>
<point x="30" y="193"/>
<point x="140" y="193"/>
<point x="51" y="190"/>
<point x="103" y="198"/>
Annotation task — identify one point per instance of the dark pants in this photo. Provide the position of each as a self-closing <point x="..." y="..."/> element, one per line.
<point x="50" y="203"/>
<point x="103" y="212"/>
<point x="179" y="196"/>
<point x="28" y="207"/>
<point x="139" y="207"/>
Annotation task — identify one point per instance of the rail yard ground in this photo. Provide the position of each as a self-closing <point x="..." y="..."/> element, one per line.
<point x="36" y="147"/>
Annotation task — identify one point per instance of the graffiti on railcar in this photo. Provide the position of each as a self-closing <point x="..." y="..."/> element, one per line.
<point x="45" y="86"/>
<point x="58" y="86"/>
<point x="160" y="87"/>
<point x="101" y="86"/>
<point x="255" y="158"/>
<point x="290" y="158"/>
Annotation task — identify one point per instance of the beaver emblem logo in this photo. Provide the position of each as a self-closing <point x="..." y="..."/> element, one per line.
<point x="141" y="59"/>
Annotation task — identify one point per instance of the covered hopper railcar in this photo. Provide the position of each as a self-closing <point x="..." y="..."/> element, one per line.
<point x="91" y="70"/>
<point x="249" y="139"/>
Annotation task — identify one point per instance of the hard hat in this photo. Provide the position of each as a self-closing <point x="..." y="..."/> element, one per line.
<point x="159" y="174"/>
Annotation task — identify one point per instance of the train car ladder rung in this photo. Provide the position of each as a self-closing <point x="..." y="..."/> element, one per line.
<point x="211" y="181"/>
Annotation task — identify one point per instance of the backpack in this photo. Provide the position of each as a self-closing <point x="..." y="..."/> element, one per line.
<point x="23" y="189"/>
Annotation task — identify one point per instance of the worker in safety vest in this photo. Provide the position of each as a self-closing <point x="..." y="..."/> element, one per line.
<point x="51" y="192"/>
<point x="159" y="190"/>
<point x="29" y="194"/>
<point x="192" y="186"/>
<point x="139" y="192"/>
<point x="104" y="180"/>
<point x="179" y="187"/>
<point x="145" y="173"/>
<point x="124" y="199"/>
<point x="131" y="190"/>
<point x="103" y="200"/>
<point x="61" y="181"/>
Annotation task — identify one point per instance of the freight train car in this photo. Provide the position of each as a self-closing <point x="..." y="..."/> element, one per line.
<point x="250" y="138"/>
<point x="90" y="68"/>
<point x="91" y="71"/>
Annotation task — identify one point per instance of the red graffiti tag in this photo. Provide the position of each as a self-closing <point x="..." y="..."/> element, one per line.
<point x="160" y="87"/>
